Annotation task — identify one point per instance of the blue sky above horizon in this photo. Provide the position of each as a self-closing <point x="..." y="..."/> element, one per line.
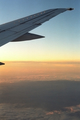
<point x="62" y="38"/>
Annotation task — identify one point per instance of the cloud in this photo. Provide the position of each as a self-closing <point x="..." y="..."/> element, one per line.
<point x="53" y="95"/>
<point x="75" y="114"/>
<point x="11" y="112"/>
<point x="74" y="111"/>
<point x="40" y="100"/>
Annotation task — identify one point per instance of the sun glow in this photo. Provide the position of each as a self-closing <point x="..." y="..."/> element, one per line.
<point x="39" y="71"/>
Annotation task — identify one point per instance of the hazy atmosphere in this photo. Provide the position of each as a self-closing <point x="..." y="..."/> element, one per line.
<point x="40" y="91"/>
<point x="41" y="78"/>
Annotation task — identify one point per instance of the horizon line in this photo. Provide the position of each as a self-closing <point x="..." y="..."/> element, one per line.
<point x="54" y="61"/>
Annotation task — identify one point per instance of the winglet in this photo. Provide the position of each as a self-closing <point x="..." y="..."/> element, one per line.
<point x="70" y="9"/>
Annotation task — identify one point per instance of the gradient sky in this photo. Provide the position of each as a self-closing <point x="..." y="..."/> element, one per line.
<point x="62" y="33"/>
<point x="39" y="71"/>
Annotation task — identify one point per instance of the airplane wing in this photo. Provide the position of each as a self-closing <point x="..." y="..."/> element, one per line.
<point x="17" y="30"/>
<point x="27" y="36"/>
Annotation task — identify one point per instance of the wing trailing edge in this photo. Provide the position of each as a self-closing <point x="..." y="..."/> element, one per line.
<point x="27" y="36"/>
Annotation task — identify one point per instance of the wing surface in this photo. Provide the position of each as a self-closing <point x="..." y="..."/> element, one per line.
<point x="19" y="28"/>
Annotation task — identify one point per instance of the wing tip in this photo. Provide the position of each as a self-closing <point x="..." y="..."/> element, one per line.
<point x="2" y="63"/>
<point x="70" y="9"/>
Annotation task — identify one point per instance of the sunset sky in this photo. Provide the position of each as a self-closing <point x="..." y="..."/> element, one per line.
<point x="41" y="78"/>
<point x="62" y="33"/>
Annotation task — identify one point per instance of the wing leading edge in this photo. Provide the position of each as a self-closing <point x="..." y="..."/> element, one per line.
<point x="18" y="30"/>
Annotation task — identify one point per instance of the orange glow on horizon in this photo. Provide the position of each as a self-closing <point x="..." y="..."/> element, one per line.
<point x="39" y="71"/>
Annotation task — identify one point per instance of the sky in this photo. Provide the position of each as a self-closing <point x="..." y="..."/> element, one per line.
<point x="62" y="38"/>
<point x="39" y="71"/>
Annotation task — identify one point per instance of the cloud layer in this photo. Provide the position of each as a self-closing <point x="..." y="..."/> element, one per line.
<point x="40" y="100"/>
